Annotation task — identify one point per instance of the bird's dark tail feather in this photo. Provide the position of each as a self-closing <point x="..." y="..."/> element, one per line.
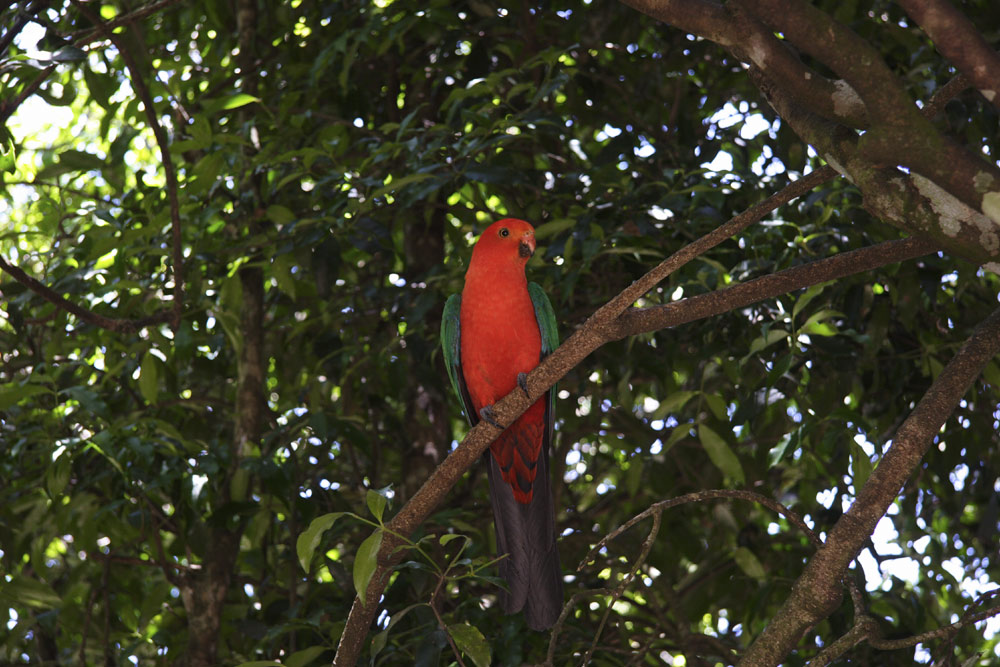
<point x="526" y="534"/>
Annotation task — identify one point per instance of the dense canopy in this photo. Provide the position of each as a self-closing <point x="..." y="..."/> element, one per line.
<point x="227" y="232"/>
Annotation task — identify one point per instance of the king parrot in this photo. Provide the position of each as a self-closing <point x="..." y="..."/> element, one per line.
<point x="492" y="334"/>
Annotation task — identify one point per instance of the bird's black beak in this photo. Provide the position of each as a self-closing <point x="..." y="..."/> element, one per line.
<point x="526" y="248"/>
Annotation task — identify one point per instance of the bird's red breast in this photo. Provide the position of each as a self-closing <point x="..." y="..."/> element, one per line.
<point x="501" y="338"/>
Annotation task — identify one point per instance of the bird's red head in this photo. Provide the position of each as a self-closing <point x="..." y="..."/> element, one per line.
<point x="507" y="239"/>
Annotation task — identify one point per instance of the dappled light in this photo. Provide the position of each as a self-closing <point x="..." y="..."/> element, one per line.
<point x="227" y="234"/>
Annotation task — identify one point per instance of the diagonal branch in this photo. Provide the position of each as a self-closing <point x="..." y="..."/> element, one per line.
<point x="88" y="316"/>
<point x="750" y="41"/>
<point x="115" y="324"/>
<point x="600" y="328"/>
<point x="957" y="38"/>
<point x="163" y="142"/>
<point x="643" y="320"/>
<point x="816" y="593"/>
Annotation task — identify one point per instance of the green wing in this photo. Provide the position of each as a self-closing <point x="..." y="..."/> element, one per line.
<point x="451" y="345"/>
<point x="546" y="318"/>
<point x="550" y="341"/>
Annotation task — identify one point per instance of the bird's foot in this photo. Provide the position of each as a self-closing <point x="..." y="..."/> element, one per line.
<point x="487" y="414"/>
<point x="522" y="382"/>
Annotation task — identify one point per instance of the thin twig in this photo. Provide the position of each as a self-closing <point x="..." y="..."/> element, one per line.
<point x="88" y="316"/>
<point x="441" y="623"/>
<point x="938" y="633"/>
<point x="598" y="330"/>
<point x="564" y="614"/>
<point x="701" y="496"/>
<point x="88" y="36"/>
<point x="163" y="142"/>
<point x="647" y="545"/>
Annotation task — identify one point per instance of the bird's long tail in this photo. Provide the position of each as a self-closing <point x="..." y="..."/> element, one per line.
<point x="526" y="534"/>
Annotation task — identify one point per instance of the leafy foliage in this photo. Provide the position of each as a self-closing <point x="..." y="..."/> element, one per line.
<point x="378" y="139"/>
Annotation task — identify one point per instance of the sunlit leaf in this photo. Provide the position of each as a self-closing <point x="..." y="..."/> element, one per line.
<point x="365" y="562"/>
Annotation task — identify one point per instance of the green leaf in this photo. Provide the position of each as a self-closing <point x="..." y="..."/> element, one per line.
<point x="365" y="562"/>
<point x="148" y="380"/>
<point x="806" y="297"/>
<point x="304" y="657"/>
<point x="13" y="393"/>
<point x="778" y="451"/>
<point x="768" y="339"/>
<point x="69" y="54"/>
<point x="716" y="404"/>
<point x="553" y="227"/>
<point x="378" y="643"/>
<point x="749" y="563"/>
<point x="234" y="102"/>
<point x="672" y="403"/>
<point x="817" y="327"/>
<point x="309" y="539"/>
<point x="282" y="271"/>
<point x="377" y="500"/>
<point x="471" y="642"/>
<point x="22" y="591"/>
<point x="720" y="453"/>
<point x="279" y="215"/>
<point x="57" y="474"/>
<point x="633" y="476"/>
<point x="8" y="159"/>
<point x="861" y="466"/>
<point x="201" y="131"/>
<point x="75" y="160"/>
<point x="445" y="539"/>
<point x="678" y="434"/>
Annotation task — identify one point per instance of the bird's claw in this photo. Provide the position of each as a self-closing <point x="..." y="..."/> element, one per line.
<point x="487" y="414"/>
<point x="522" y="382"/>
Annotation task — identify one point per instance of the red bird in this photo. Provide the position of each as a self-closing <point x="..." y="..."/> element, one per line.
<point x="493" y="335"/>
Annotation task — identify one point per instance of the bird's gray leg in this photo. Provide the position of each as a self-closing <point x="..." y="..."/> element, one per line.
<point x="522" y="382"/>
<point x="487" y="414"/>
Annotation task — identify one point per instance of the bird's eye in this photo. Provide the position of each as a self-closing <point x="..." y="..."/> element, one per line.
<point x="504" y="232"/>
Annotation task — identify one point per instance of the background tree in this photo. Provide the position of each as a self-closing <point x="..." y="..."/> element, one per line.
<point x="228" y="233"/>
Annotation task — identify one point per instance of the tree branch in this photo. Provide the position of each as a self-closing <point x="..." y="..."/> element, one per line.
<point x="908" y="201"/>
<point x="600" y="328"/>
<point x="816" y="592"/>
<point x="88" y="316"/>
<point x="900" y="134"/>
<point x="163" y="142"/>
<point x="958" y="40"/>
<point x="750" y="41"/>
<point x="88" y="36"/>
<point x="654" y="318"/>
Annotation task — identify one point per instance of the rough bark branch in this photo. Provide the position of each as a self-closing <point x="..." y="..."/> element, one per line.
<point x="644" y="320"/>
<point x="600" y="328"/>
<point x="114" y="324"/>
<point x="956" y="37"/>
<point x="86" y="315"/>
<point x="866" y="628"/>
<point x="953" y="192"/>
<point x="816" y="592"/>
<point x="163" y="143"/>
<point x="908" y="201"/>
<point x="750" y="41"/>
<point x="900" y="134"/>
